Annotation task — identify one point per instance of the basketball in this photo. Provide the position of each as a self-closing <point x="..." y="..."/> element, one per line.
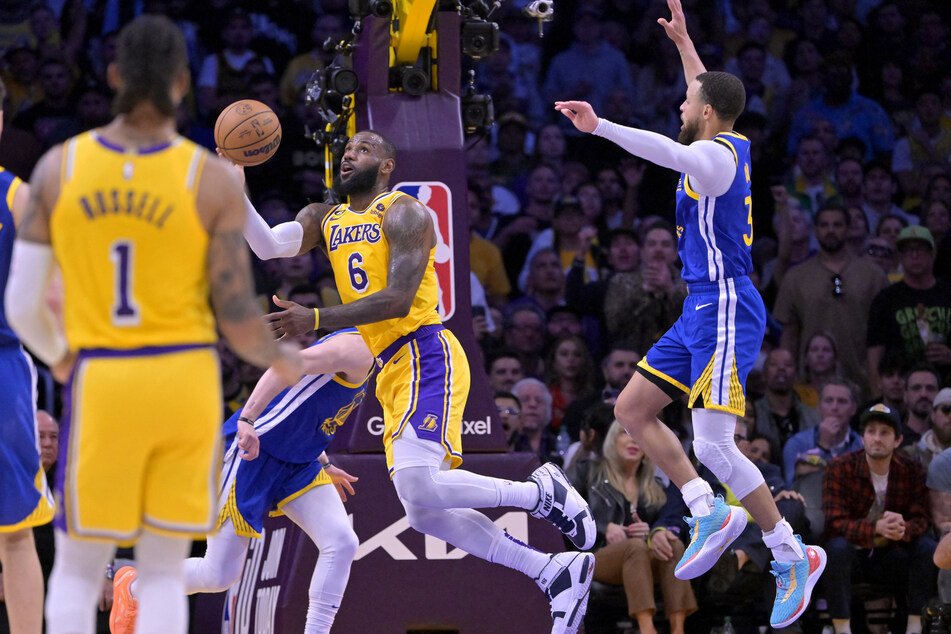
<point x="248" y="132"/>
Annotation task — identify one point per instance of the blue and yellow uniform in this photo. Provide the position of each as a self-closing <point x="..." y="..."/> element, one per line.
<point x="711" y="349"/>
<point x="140" y="441"/>
<point x="294" y="429"/>
<point x="424" y="374"/>
<point x="25" y="499"/>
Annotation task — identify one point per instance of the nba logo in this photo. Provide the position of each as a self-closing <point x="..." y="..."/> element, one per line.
<point x="438" y="199"/>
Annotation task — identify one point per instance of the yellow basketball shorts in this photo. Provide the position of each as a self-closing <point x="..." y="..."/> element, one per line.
<point x="424" y="382"/>
<point x="143" y="436"/>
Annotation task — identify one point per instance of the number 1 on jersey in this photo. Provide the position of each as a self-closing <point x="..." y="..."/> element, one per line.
<point x="124" y="309"/>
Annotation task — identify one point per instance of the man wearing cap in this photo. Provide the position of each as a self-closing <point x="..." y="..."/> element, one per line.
<point x="512" y="165"/>
<point x="877" y="521"/>
<point x="912" y="318"/>
<point x="938" y="438"/>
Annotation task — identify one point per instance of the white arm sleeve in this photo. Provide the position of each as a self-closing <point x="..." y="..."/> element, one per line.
<point x="30" y="317"/>
<point x="282" y="241"/>
<point x="710" y="165"/>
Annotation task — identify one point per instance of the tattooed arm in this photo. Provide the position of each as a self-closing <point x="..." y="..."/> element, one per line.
<point x="409" y="231"/>
<point x="229" y="275"/>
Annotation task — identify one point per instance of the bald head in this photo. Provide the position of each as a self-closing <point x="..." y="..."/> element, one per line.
<point x="49" y="438"/>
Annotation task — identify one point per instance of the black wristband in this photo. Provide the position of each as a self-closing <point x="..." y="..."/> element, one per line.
<point x="246" y="419"/>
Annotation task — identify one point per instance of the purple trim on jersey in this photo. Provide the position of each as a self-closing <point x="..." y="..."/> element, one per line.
<point x="146" y="351"/>
<point x="387" y="354"/>
<point x="115" y="147"/>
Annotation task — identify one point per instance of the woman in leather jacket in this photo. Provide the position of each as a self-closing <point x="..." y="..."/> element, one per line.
<point x="634" y="548"/>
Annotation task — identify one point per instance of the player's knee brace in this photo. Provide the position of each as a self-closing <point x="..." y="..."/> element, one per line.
<point x="715" y="448"/>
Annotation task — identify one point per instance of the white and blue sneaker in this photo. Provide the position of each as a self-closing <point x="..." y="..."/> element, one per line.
<point x="563" y="506"/>
<point x="566" y="580"/>
<point x="709" y="537"/>
<point x="794" y="584"/>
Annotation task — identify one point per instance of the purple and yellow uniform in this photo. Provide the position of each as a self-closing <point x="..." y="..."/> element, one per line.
<point x="140" y="439"/>
<point x="424" y="374"/>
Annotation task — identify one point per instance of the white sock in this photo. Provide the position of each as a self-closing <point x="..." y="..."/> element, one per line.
<point x="75" y="584"/>
<point x="699" y="497"/>
<point x="784" y="545"/>
<point x="521" y="495"/>
<point x="160" y="561"/>
<point x="511" y="553"/>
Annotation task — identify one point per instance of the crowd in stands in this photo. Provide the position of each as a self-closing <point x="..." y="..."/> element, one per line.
<point x="574" y="243"/>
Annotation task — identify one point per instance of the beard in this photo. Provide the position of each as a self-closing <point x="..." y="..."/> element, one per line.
<point x="832" y="243"/>
<point x="689" y="133"/>
<point x="360" y="182"/>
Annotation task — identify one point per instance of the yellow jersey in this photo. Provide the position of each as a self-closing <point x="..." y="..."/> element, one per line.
<point x="126" y="232"/>
<point x="360" y="255"/>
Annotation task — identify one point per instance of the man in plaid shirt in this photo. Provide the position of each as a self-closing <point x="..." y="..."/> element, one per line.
<point x="877" y="521"/>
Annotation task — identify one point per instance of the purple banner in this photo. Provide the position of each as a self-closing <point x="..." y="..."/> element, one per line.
<point x="400" y="579"/>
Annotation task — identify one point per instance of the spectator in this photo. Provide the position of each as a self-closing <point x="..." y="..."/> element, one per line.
<point x="536" y="418"/>
<point x="510" y="415"/>
<point x="223" y="76"/>
<point x="891" y="373"/>
<point x="550" y="147"/>
<point x="889" y="227"/>
<point x="852" y="114"/>
<point x="590" y="68"/>
<point x="804" y="62"/>
<point x="880" y="189"/>
<point x="516" y="233"/>
<point x="485" y="259"/>
<point x="545" y="284"/>
<point x="881" y="253"/>
<point x="569" y="237"/>
<point x="640" y="306"/>
<point x="936" y="218"/>
<point x="794" y="229"/>
<point x="563" y="321"/>
<point x="21" y="78"/>
<point x="53" y="118"/>
<point x="922" y="384"/>
<point x="300" y="69"/>
<point x="812" y="449"/>
<point x="594" y="428"/>
<point x="830" y="292"/>
<point x="818" y="365"/>
<point x="911" y="319"/>
<point x="569" y="374"/>
<point x="850" y="184"/>
<point x="632" y="549"/>
<point x="504" y="370"/>
<point x="926" y="142"/>
<point x="617" y="368"/>
<point x="859" y="230"/>
<point x="938" y="438"/>
<point x="525" y="335"/>
<point x="810" y="178"/>
<point x="512" y="163"/>
<point x="877" y="522"/>
<point x="780" y="413"/>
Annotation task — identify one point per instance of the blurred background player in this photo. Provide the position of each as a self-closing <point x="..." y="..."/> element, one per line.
<point x="26" y="499"/>
<point x="138" y="269"/>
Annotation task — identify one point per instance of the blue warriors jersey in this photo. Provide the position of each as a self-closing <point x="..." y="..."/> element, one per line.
<point x="299" y="423"/>
<point x="8" y="189"/>
<point x="714" y="234"/>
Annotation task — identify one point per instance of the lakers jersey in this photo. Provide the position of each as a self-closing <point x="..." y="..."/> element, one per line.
<point x="127" y="235"/>
<point x="714" y="234"/>
<point x="359" y="255"/>
<point x="8" y="189"/>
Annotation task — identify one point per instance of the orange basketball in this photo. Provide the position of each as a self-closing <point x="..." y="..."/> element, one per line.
<point x="248" y="132"/>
